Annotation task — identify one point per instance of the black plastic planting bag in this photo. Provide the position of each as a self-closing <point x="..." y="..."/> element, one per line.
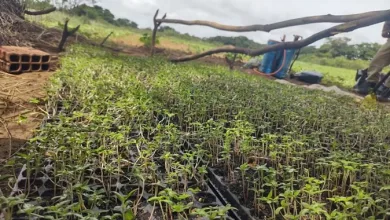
<point x="309" y="77"/>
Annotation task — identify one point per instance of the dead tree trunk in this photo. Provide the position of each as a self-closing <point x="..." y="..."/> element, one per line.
<point x="154" y="34"/>
<point x="231" y="62"/>
<point x="342" y="28"/>
<point x="65" y="34"/>
<point x="105" y="39"/>
<point x="278" y="25"/>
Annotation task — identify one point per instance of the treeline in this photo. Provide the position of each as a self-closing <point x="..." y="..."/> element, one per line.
<point x="338" y="52"/>
<point x="340" y="47"/>
<point x="240" y="41"/>
<point x="96" y="12"/>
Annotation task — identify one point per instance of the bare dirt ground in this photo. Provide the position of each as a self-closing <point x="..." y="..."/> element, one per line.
<point x="21" y="101"/>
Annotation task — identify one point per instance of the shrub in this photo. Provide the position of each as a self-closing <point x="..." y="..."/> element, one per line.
<point x="146" y="39"/>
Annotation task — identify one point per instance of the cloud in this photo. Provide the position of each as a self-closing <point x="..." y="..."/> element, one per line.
<point x="247" y="12"/>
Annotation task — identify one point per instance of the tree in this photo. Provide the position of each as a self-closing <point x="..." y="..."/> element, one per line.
<point x="240" y="41"/>
<point x="126" y="23"/>
<point x="97" y="12"/>
<point x="167" y="29"/>
<point x="338" y="47"/>
<point x="309" y="50"/>
<point x="71" y="4"/>
<point x="366" y="51"/>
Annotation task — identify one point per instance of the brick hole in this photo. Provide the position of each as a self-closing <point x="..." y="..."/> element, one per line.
<point x="45" y="59"/>
<point x="14" y="58"/>
<point x="36" y="59"/>
<point x="45" y="67"/>
<point x="25" y="67"/>
<point x="14" y="67"/>
<point x="25" y="58"/>
<point x="35" y="67"/>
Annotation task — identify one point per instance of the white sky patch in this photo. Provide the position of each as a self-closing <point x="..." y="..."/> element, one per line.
<point x="248" y="12"/>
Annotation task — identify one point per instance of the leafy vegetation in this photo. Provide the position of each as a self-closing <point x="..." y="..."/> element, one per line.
<point x="146" y="39"/>
<point x="337" y="52"/>
<point x="340" y="47"/>
<point x="131" y="136"/>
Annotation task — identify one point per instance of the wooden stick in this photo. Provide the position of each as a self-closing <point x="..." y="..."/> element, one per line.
<point x="278" y="25"/>
<point x="342" y="28"/>
<point x="105" y="39"/>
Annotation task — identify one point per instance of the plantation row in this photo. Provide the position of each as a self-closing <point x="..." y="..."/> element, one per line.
<point x="132" y="137"/>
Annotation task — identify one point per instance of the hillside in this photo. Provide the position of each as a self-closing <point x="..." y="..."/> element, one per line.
<point x="340" y="72"/>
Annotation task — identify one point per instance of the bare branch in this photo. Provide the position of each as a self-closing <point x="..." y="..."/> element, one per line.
<point x="74" y="30"/>
<point x="105" y="39"/>
<point x="342" y="28"/>
<point x="283" y="24"/>
<point x="42" y="12"/>
<point x="165" y="15"/>
<point x="155" y="15"/>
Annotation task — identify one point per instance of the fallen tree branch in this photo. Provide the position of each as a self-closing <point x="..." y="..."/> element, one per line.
<point x="278" y="25"/>
<point x="342" y="28"/>
<point x="42" y="12"/>
<point x="65" y="34"/>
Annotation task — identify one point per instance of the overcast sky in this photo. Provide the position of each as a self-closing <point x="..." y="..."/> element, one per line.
<point x="247" y="12"/>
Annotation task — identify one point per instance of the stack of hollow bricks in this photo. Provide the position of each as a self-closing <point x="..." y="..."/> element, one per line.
<point x="23" y="59"/>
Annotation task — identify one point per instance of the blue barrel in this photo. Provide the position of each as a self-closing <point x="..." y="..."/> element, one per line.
<point x="281" y="74"/>
<point x="267" y="64"/>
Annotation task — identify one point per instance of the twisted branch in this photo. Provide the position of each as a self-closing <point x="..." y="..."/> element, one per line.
<point x="342" y="28"/>
<point x="278" y="25"/>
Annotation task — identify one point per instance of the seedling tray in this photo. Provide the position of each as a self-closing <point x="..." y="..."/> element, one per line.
<point x="222" y="191"/>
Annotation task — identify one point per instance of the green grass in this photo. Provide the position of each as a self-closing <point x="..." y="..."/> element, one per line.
<point x="99" y="29"/>
<point x="95" y="29"/>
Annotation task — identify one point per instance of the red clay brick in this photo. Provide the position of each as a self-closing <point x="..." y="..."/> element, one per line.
<point x="24" y="59"/>
<point x="10" y="68"/>
<point x="23" y="54"/>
